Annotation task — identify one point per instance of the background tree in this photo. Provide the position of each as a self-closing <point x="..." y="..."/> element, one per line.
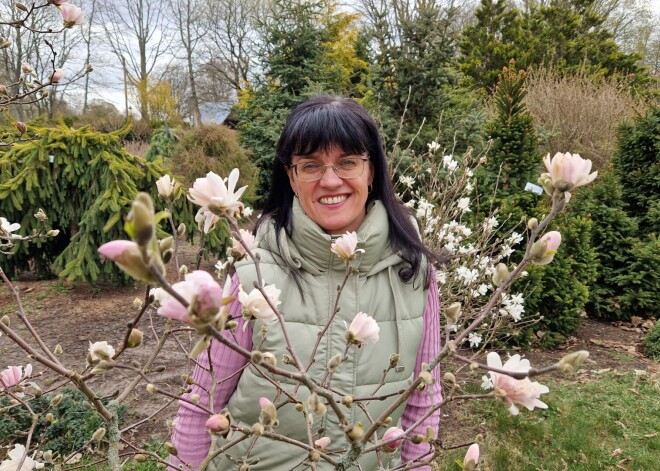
<point x="136" y="34"/>
<point x="298" y="39"/>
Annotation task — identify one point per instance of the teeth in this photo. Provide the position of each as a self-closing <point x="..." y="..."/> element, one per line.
<point x="333" y="200"/>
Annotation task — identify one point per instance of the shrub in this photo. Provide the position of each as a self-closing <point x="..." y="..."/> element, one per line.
<point x="616" y="286"/>
<point x="211" y="148"/>
<point x="637" y="165"/>
<point x="640" y="283"/>
<point x="86" y="191"/>
<point x="73" y="427"/>
<point x="559" y="293"/>
<point x="652" y="342"/>
<point x="580" y="113"/>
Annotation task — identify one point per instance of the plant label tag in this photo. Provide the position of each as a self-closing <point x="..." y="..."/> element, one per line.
<point x="537" y="190"/>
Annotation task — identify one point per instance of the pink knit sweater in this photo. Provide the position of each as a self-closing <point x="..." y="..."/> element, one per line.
<point x="192" y="439"/>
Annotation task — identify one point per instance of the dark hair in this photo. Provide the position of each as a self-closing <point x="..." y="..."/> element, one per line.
<point x="324" y="122"/>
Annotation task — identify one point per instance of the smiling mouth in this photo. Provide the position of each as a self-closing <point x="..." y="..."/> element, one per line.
<point x="333" y="199"/>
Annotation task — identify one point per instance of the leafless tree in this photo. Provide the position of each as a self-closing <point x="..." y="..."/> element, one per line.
<point x="188" y="16"/>
<point x="137" y="34"/>
<point x="232" y="38"/>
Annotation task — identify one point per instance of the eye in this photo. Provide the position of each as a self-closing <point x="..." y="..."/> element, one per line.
<point x="310" y="167"/>
<point x="347" y="164"/>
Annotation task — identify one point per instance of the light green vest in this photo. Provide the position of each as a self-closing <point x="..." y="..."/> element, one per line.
<point x="376" y="290"/>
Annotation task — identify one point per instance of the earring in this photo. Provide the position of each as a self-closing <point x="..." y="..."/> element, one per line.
<point x="295" y="194"/>
<point x="370" y="189"/>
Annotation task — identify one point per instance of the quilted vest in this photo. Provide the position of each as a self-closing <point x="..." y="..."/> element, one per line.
<point x="375" y="288"/>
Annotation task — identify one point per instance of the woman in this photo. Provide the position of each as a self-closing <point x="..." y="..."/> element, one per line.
<point x="330" y="177"/>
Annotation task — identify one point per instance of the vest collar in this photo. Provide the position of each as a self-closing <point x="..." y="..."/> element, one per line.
<point x="308" y="247"/>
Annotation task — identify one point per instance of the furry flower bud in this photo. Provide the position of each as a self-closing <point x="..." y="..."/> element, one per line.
<point x="572" y="362"/>
<point x="453" y="312"/>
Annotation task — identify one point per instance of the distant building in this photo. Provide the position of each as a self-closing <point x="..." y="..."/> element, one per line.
<point x="215" y="113"/>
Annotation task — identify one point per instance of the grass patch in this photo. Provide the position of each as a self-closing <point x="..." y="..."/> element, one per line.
<point x="610" y="422"/>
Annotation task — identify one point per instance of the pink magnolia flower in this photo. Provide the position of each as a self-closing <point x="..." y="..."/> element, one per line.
<point x="322" y="443"/>
<point x="544" y="249"/>
<point x="255" y="305"/>
<point x="568" y="171"/>
<point x="471" y="459"/>
<point x="71" y="15"/>
<point x="127" y="255"/>
<point x="345" y="246"/>
<point x="363" y="329"/>
<point x="216" y="198"/>
<point x="238" y="248"/>
<point x="393" y="433"/>
<point x="57" y="75"/>
<point x="218" y="423"/>
<point x="197" y="284"/>
<point x="13" y="375"/>
<point x="515" y="391"/>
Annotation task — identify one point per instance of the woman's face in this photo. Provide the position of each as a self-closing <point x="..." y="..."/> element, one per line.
<point x="337" y="205"/>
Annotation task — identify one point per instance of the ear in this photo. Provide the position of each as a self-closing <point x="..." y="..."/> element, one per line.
<point x="371" y="173"/>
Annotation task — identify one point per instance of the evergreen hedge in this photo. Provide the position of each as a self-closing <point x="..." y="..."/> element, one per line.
<point x="86" y="192"/>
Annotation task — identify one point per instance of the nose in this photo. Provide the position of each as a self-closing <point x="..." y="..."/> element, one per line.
<point x="330" y="178"/>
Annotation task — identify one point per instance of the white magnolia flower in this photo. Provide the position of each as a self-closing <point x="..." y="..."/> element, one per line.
<point x="407" y="181"/>
<point x="167" y="187"/>
<point x="345" y="247"/>
<point x="6" y="229"/>
<point x="464" y="205"/>
<point x="215" y="198"/>
<point x="515" y="238"/>
<point x="255" y="305"/>
<point x="100" y="351"/>
<point x="490" y="224"/>
<point x="433" y="146"/>
<point x="15" y="456"/>
<point x="441" y="277"/>
<point x="474" y="339"/>
<point x="247" y="211"/>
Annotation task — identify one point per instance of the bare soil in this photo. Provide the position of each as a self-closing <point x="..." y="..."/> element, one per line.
<point x="73" y="315"/>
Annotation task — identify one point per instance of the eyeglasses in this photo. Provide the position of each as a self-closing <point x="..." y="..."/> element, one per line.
<point x="345" y="168"/>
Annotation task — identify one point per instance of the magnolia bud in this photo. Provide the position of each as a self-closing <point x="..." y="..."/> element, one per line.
<point x="143" y="221"/>
<point x="356" y="432"/>
<point x="54" y="402"/>
<point x="387" y="420"/>
<point x="170" y="449"/>
<point x="102" y="366"/>
<point x="37" y="391"/>
<point x="50" y="418"/>
<point x="181" y="230"/>
<point x="135" y="338"/>
<point x="268" y="414"/>
<point x="183" y="270"/>
<point x="232" y="324"/>
<point x="3" y="89"/>
<point x="256" y="357"/>
<point x="418" y="438"/>
<point x="159" y="369"/>
<point x="6" y="320"/>
<point x="299" y="407"/>
<point x="258" y="429"/>
<point x="430" y="434"/>
<point x="334" y="362"/>
<point x="314" y="456"/>
<point x="394" y="360"/>
<point x="426" y="377"/>
<point x="21" y="7"/>
<point x="347" y="400"/>
<point x="532" y="224"/>
<point x="151" y="389"/>
<point x="453" y="312"/>
<point x="136" y="364"/>
<point x="501" y="274"/>
<point x="140" y="458"/>
<point x="20" y="127"/>
<point x="270" y="359"/>
<point x="47" y="456"/>
<point x="244" y="467"/>
<point x="538" y="249"/>
<point x="165" y="244"/>
<point x="449" y="378"/>
<point x="53" y="233"/>
<point x="98" y="435"/>
<point x="572" y="362"/>
<point x="194" y="398"/>
<point x="41" y="215"/>
<point x="218" y="423"/>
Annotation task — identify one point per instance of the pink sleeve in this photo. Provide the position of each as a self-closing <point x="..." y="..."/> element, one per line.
<point x="419" y="401"/>
<point x="190" y="437"/>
